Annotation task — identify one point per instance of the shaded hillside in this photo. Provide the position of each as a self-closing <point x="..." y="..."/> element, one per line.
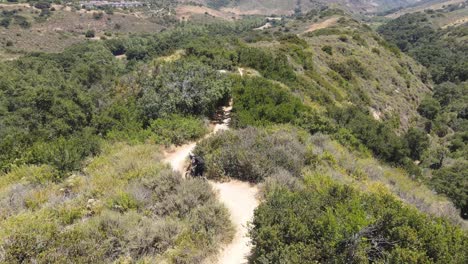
<point x="444" y="52"/>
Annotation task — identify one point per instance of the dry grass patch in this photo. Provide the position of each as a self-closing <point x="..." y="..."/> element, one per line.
<point x="126" y="205"/>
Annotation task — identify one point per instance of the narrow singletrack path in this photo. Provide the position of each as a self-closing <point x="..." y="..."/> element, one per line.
<point x="240" y="198"/>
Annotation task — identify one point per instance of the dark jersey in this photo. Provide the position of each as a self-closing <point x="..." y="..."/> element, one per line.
<point x="199" y="161"/>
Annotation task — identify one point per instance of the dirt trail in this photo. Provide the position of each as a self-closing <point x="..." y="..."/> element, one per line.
<point x="322" y="24"/>
<point x="240" y="198"/>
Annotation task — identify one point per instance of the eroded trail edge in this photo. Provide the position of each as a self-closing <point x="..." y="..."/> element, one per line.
<point x="240" y="198"/>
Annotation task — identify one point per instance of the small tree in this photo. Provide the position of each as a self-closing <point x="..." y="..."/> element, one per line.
<point x="90" y="34"/>
<point x="5" y="22"/>
<point x="429" y="108"/>
<point x="327" y="49"/>
<point x="417" y="142"/>
<point x="98" y="15"/>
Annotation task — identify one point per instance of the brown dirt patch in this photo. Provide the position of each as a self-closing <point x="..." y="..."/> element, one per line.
<point x="324" y="24"/>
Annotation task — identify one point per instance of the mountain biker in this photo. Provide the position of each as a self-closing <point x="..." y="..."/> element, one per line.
<point x="197" y="165"/>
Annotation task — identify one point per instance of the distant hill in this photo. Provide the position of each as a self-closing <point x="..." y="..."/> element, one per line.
<point x="288" y="7"/>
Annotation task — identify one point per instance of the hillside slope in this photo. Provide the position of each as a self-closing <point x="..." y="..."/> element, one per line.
<point x="352" y="66"/>
<point x="289" y="7"/>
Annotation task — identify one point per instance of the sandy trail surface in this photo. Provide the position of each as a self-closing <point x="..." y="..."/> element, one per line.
<point x="324" y="24"/>
<point x="240" y="198"/>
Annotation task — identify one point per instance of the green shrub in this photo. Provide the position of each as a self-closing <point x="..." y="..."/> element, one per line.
<point x="123" y="202"/>
<point x="65" y="154"/>
<point x="5" y="22"/>
<point x="270" y="65"/>
<point x="42" y="5"/>
<point x="326" y="222"/>
<point x="343" y="38"/>
<point x="156" y="217"/>
<point x="356" y="66"/>
<point x="429" y="108"/>
<point x="375" y="135"/>
<point x="90" y="33"/>
<point x="183" y="87"/>
<point x="22" y="21"/>
<point x="260" y="102"/>
<point x="327" y="49"/>
<point x="342" y="69"/>
<point x="177" y="129"/>
<point x="253" y="154"/>
<point x="98" y="15"/>
<point x="417" y="142"/>
<point x="453" y="182"/>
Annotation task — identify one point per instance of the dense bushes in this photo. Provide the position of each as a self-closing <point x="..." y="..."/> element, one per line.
<point x="417" y="141"/>
<point x="65" y="154"/>
<point x="253" y="154"/>
<point x="177" y="130"/>
<point x="47" y="97"/>
<point x="350" y="68"/>
<point x="186" y="87"/>
<point x="447" y="122"/>
<point x="377" y="136"/>
<point x="275" y="67"/>
<point x="453" y="182"/>
<point x="437" y="49"/>
<point x="148" y="213"/>
<point x="429" y="108"/>
<point x="325" y="222"/>
<point x="259" y="101"/>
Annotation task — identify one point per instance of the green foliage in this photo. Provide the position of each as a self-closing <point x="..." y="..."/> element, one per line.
<point x="328" y="49"/>
<point x="42" y="5"/>
<point x="453" y="182"/>
<point x="260" y="102"/>
<point x="438" y="49"/>
<point x="123" y="202"/>
<point x="356" y="67"/>
<point x="417" y="141"/>
<point x="156" y="216"/>
<point x="271" y="66"/>
<point x="429" y="108"/>
<point x="375" y="135"/>
<point x="343" y="38"/>
<point x="342" y="69"/>
<point x="177" y="129"/>
<point x="90" y="33"/>
<point x="64" y="154"/>
<point x="46" y="97"/>
<point x="351" y="67"/>
<point x="98" y="15"/>
<point x="326" y="222"/>
<point x="186" y="87"/>
<point x="5" y="22"/>
<point x="21" y="21"/>
<point x="252" y="154"/>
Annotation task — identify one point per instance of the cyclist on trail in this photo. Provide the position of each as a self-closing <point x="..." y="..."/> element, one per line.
<point x="197" y="165"/>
